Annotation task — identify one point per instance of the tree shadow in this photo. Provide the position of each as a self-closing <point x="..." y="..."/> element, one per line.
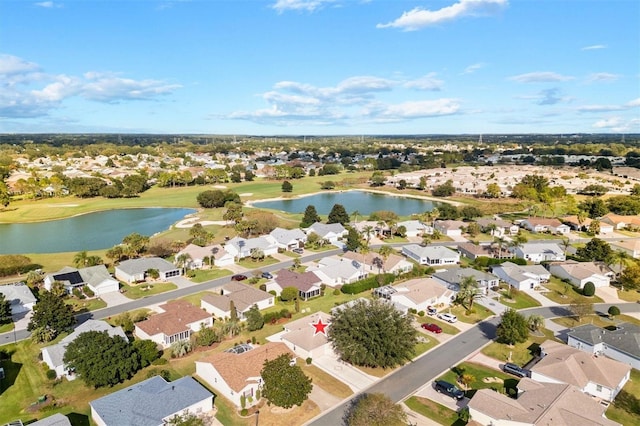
<point x="11" y="371"/>
<point x="78" y="419"/>
<point x="628" y="402"/>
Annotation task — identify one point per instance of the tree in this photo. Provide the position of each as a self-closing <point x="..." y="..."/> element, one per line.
<point x="589" y="289"/>
<point x="469" y="291"/>
<point x="186" y="419"/>
<point x="594" y="250"/>
<point x="444" y="190"/>
<point x="288" y="293"/>
<point x="493" y="191"/>
<point x="136" y="243"/>
<point x="535" y="321"/>
<point x="338" y="215"/>
<point x="613" y="311"/>
<point x="372" y="333"/>
<point x="310" y="216"/>
<point x="80" y="259"/>
<point x="470" y="212"/>
<point x="285" y="385"/>
<point x="183" y="260"/>
<point x="353" y="239"/>
<point x="512" y="328"/>
<point x="286" y="186"/>
<point x="207" y="336"/>
<point x="5" y="310"/>
<point x="234" y="212"/>
<point x="581" y="309"/>
<point x="5" y="198"/>
<point x="255" y="321"/>
<point x="100" y="359"/>
<point x="378" y="179"/>
<point x="594" y="227"/>
<point x="594" y="207"/>
<point x="375" y="409"/>
<point x="630" y="277"/>
<point x="217" y="198"/>
<point x="147" y="350"/>
<point x="51" y="314"/>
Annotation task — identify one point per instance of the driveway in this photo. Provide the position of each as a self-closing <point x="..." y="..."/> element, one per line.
<point x="323" y="399"/>
<point x="115" y="298"/>
<point x="428" y="391"/>
<point x="346" y="373"/>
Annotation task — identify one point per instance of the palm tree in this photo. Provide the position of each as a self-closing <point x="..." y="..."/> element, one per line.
<point x="378" y="263"/>
<point x="500" y="242"/>
<point x="469" y="291"/>
<point x="80" y="259"/>
<point x="385" y="251"/>
<point x="565" y="243"/>
<point x="620" y="258"/>
<point x="492" y="228"/>
<point x="368" y="231"/>
<point x="355" y="215"/>
<point x="182" y="260"/>
<point x="535" y="321"/>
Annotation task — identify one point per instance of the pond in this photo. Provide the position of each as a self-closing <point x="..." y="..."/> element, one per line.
<point x="92" y="231"/>
<point x="362" y="201"/>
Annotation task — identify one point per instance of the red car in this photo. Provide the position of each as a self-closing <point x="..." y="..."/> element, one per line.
<point x="434" y="328"/>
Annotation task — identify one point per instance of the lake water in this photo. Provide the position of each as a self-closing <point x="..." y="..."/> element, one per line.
<point x="92" y="231"/>
<point x="362" y="201"/>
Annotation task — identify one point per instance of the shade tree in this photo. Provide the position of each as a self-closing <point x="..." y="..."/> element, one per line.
<point x="284" y="383"/>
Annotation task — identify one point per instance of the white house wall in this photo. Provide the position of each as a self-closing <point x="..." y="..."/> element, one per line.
<point x="622" y="357"/>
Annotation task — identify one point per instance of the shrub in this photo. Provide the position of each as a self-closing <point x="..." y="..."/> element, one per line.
<point x="263" y="287"/>
<point x="88" y="291"/>
<point x="244" y="412"/>
<point x="253" y="340"/>
<point x="368" y="283"/>
<point x="421" y="313"/>
<point x="159" y="361"/>
<point x="613" y="311"/>
<point x="77" y="292"/>
<point x="308" y="360"/>
<point x="273" y="293"/>
<point x="589" y="289"/>
<point x="336" y="292"/>
<point x="51" y="374"/>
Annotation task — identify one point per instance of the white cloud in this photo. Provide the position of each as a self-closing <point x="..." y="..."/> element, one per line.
<point x="428" y="82"/>
<point x="48" y="4"/>
<point x="10" y="65"/>
<point x="299" y="5"/>
<point x="420" y="109"/>
<point x="602" y="77"/>
<point x="419" y="18"/>
<point x="473" y="68"/>
<point x="594" y="47"/>
<point x="540" y="77"/>
<point x="634" y="103"/>
<point x="550" y="97"/>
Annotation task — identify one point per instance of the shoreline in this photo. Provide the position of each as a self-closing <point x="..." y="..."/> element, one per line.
<point x="196" y="210"/>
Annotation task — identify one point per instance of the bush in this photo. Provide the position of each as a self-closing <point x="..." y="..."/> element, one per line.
<point x="308" y="360"/>
<point x="244" y="412"/>
<point x="272" y="317"/>
<point x="421" y="313"/>
<point x="589" y="289"/>
<point x="77" y="292"/>
<point x="613" y="311"/>
<point x="88" y="291"/>
<point x="51" y="374"/>
<point x="263" y="287"/>
<point x="368" y="283"/>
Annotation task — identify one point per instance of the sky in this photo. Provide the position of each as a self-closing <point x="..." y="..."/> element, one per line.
<point x="320" y="67"/>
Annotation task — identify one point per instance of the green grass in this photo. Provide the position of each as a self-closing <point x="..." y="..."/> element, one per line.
<point x="566" y="294"/>
<point x="139" y="291"/>
<point x="434" y="411"/>
<point x="518" y="299"/>
<point x="85" y="305"/>
<point x="626" y="407"/>
<point x="202" y="275"/>
<point x="596" y="320"/>
<point x="326" y="381"/>
<point x="629" y="295"/>
<point x="6" y="327"/>
<point x="252" y="264"/>
<point x="479" y="373"/>
<point x="478" y="313"/>
<point x="520" y="353"/>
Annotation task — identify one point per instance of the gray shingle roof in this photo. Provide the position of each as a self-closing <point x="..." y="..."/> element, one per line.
<point x="55" y="420"/>
<point x="625" y="338"/>
<point x="147" y="403"/>
<point x="133" y="266"/>
<point x="17" y="293"/>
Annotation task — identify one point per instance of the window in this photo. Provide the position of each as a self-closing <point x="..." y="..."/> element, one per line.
<point x="599" y="388"/>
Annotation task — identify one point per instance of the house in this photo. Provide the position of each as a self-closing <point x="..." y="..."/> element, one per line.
<point x="631" y="247"/>
<point x="543" y="224"/>
<point x="538" y="404"/>
<point x="474" y="251"/>
<point x="242" y="247"/>
<point x="521" y="277"/>
<point x="583" y="224"/>
<point x="332" y="232"/>
<point x="177" y="321"/>
<point x="502" y="227"/>
<point x="418" y="294"/>
<point x="19" y="296"/>
<point x="450" y="228"/>
<point x="307" y="283"/>
<point x="97" y="278"/>
<point x="621" y="221"/>
<point x="621" y="344"/>
<point x="288" y="239"/>
<point x="136" y="270"/>
<point x="540" y="252"/>
<point x="302" y="337"/>
<point x="151" y="402"/>
<point x="600" y="377"/>
<point x="236" y="374"/>
<point x="580" y="273"/>
<point x="54" y="420"/>
<point x="375" y="263"/>
<point x="334" y="271"/>
<point x="209" y="255"/>
<point x="243" y="297"/>
<point x="53" y="355"/>
<point x="431" y="255"/>
<point x="452" y="278"/>
<point x="415" y="228"/>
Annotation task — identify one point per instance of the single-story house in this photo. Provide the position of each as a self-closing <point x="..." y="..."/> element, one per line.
<point x="19" y="296"/>
<point x="208" y="255"/>
<point x="242" y="247"/>
<point x="621" y="221"/>
<point x="415" y="228"/>
<point x="136" y="270"/>
<point x="307" y="283"/>
<point x="600" y="377"/>
<point x="580" y="273"/>
<point x="97" y="278"/>
<point x="502" y="227"/>
<point x="452" y="278"/>
<point x="243" y="297"/>
<point x="53" y="420"/>
<point x="474" y="251"/>
<point x="237" y="374"/>
<point x="375" y="263"/>
<point x="151" y="402"/>
<point x="537" y="404"/>
<point x="302" y="337"/>
<point x="575" y="224"/>
<point x="431" y="255"/>
<point x="521" y="277"/>
<point x="540" y="252"/>
<point x="450" y="228"/>
<point x="543" y="224"/>
<point x="419" y="294"/>
<point x="332" y="232"/>
<point x="621" y="344"/>
<point x="288" y="239"/>
<point x="53" y="355"/>
<point x="334" y="271"/>
<point x="631" y="247"/>
<point x="177" y="322"/>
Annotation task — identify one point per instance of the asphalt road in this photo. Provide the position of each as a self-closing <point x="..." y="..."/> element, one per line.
<point x="407" y="380"/>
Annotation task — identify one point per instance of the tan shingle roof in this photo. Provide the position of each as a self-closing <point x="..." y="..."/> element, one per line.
<point x="176" y="318"/>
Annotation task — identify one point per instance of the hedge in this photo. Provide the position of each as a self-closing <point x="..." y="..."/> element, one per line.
<point x="484" y="261"/>
<point x="368" y="283"/>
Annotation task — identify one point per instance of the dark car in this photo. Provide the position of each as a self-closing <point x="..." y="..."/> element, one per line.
<point x="267" y="275"/>
<point x="448" y="389"/>
<point x="516" y="370"/>
<point x="239" y="277"/>
<point x="298" y="250"/>
<point x="434" y="328"/>
<point x="431" y="310"/>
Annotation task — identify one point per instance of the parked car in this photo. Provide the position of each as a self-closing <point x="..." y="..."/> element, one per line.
<point x="448" y="389"/>
<point x="448" y="317"/>
<point x="434" y="328"/>
<point x="298" y="250"/>
<point x="431" y="311"/>
<point x="267" y="275"/>
<point x="238" y="277"/>
<point x="516" y="370"/>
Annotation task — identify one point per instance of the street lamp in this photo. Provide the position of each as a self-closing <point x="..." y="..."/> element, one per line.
<point x="257" y="416"/>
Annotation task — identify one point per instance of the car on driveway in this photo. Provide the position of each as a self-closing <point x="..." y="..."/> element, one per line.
<point x="298" y="250"/>
<point x="267" y="275"/>
<point x="448" y="389"/>
<point x="516" y="370"/>
<point x="448" y="317"/>
<point x="434" y="328"/>
<point x="238" y="277"/>
<point x="431" y="311"/>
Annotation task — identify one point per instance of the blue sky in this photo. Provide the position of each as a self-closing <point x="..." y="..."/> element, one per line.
<point x="304" y="67"/>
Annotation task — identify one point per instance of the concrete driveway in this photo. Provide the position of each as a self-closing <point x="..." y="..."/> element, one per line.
<point x="428" y="391"/>
<point x="346" y="373"/>
<point x="323" y="399"/>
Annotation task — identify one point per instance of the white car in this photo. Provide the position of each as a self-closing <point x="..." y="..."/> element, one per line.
<point x="448" y="317"/>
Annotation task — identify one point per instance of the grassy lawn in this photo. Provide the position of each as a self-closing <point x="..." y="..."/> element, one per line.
<point x="138" y="291"/>
<point x="325" y="380"/>
<point x="597" y="320"/>
<point x="252" y="264"/>
<point x="6" y="327"/>
<point x="434" y="411"/>
<point x="520" y="353"/>
<point x="517" y="299"/>
<point x="478" y="314"/>
<point x="483" y="378"/>
<point x="85" y="305"/>
<point x="626" y="407"/>
<point x="445" y="326"/>
<point x="566" y="294"/>
<point x="203" y="275"/>
<point x="629" y="295"/>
